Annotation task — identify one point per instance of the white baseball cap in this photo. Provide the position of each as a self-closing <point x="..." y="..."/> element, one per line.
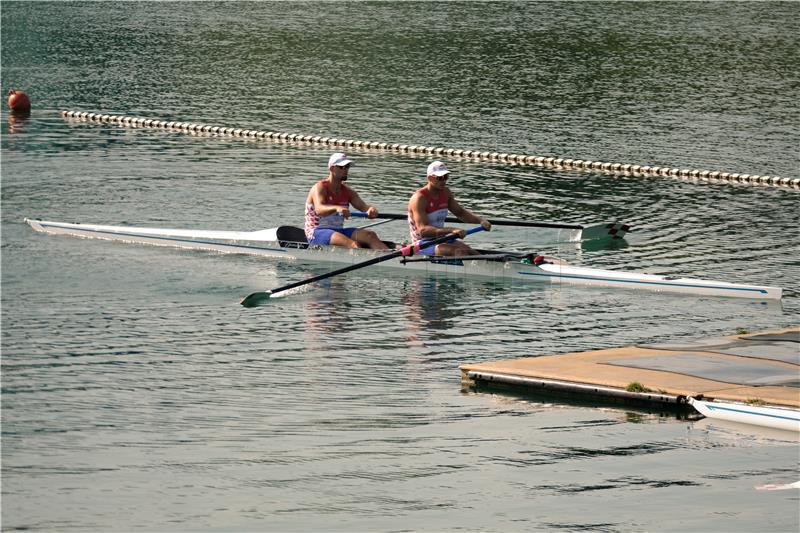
<point x="437" y="168"/>
<point x="338" y="160"/>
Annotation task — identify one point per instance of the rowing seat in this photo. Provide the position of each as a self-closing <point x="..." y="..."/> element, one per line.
<point x="292" y="236"/>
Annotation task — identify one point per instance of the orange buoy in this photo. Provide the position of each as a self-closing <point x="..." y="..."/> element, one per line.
<point x="18" y="101"/>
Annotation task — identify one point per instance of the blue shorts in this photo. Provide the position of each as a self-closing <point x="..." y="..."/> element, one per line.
<point x="430" y="250"/>
<point x="323" y="235"/>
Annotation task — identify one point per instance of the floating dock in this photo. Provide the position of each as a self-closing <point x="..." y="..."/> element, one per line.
<point x="761" y="368"/>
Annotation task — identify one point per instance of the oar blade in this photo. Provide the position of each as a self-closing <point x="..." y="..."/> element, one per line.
<point x="609" y="230"/>
<point x="257" y="298"/>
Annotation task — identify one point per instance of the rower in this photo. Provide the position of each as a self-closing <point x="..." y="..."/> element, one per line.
<point x="427" y="211"/>
<point x="328" y="205"/>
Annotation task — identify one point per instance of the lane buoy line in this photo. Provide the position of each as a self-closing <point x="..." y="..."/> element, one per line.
<point x="477" y="155"/>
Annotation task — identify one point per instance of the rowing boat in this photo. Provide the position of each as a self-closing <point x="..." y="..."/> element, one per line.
<point x="766" y="416"/>
<point x="289" y="242"/>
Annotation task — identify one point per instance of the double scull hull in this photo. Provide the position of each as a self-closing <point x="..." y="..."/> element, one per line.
<point x="287" y="242"/>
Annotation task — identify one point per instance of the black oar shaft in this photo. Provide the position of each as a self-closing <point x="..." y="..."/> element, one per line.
<point x="337" y="272"/>
<point x="494" y="222"/>
<point x="525" y="223"/>
<point x="257" y="297"/>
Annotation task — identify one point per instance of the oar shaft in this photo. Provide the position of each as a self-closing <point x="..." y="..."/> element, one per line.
<point x="378" y="223"/>
<point x="494" y="222"/>
<point x="525" y="223"/>
<point x="332" y="273"/>
<point x="409" y="250"/>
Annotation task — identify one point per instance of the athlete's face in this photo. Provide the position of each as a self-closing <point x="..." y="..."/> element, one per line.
<point x="341" y="172"/>
<point x="438" y="182"/>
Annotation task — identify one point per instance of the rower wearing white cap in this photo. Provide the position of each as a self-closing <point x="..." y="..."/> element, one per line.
<point x="428" y="209"/>
<point x="328" y="205"/>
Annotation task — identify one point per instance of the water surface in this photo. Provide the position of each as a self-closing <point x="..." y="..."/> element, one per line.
<point x="138" y="395"/>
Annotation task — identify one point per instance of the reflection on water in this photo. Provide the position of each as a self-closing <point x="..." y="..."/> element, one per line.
<point x="428" y="303"/>
<point x="327" y="310"/>
<point x="595" y="245"/>
<point x="17" y="120"/>
<point x="725" y="430"/>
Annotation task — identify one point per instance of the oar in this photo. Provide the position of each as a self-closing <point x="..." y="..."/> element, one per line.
<point x="594" y="231"/>
<point x="495" y="222"/>
<point x="378" y="223"/>
<point x="256" y="298"/>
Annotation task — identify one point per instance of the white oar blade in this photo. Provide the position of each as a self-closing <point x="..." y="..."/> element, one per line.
<point x="610" y="230"/>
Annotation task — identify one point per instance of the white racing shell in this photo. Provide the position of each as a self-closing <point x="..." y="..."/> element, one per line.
<point x="289" y="242"/>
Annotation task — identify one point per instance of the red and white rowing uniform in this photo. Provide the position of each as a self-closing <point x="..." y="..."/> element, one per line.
<point x="436" y="209"/>
<point x="335" y="220"/>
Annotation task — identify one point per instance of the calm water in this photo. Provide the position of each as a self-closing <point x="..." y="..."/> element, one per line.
<point x="138" y="395"/>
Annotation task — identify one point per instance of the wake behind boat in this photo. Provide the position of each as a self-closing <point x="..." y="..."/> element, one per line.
<point x="289" y="242"/>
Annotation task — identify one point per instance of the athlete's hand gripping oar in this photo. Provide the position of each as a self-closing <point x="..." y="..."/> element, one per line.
<point x="256" y="298"/>
<point x="593" y="231"/>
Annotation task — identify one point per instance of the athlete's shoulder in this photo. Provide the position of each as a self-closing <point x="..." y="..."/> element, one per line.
<point x="418" y="195"/>
<point x="421" y="192"/>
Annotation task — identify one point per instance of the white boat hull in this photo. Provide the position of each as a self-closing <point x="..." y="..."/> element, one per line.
<point x="267" y="243"/>
<point x="771" y="417"/>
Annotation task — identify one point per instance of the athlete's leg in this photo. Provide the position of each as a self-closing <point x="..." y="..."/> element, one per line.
<point x="456" y="248"/>
<point x="368" y="239"/>
<point x="340" y="239"/>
